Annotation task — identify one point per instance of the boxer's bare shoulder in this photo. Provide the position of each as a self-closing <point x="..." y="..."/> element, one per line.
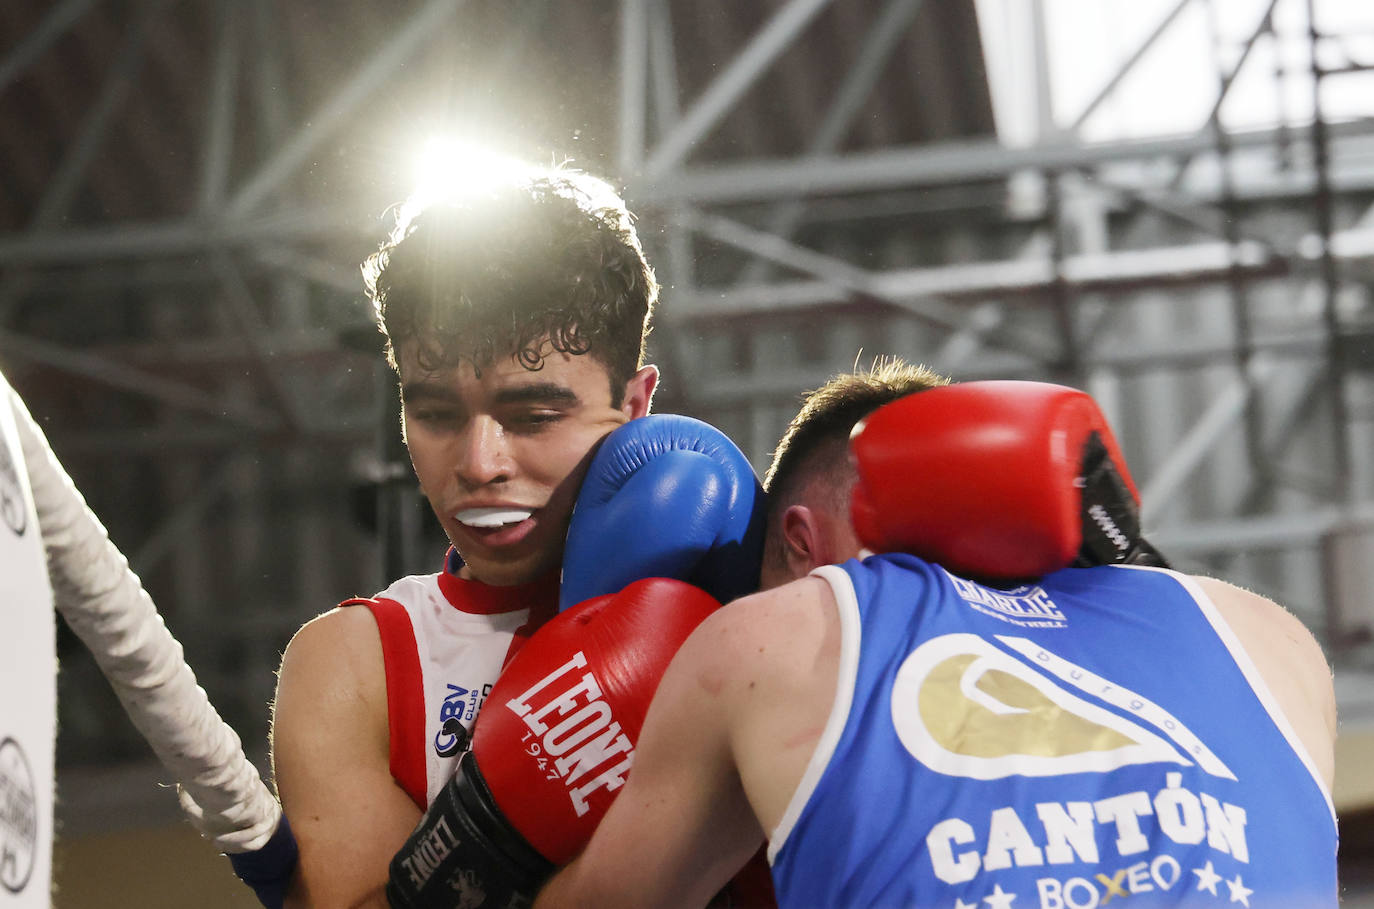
<point x="332" y="667"/>
<point x="343" y="638"/>
<point x="1291" y="662"/>
<point x="770" y="662"/>
<point x="330" y="711"/>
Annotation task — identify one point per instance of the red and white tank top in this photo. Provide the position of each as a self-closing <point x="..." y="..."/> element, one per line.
<point x="444" y="642"/>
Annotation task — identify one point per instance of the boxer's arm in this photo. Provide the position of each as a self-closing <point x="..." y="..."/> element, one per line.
<point x="331" y="760"/>
<point x="683" y="824"/>
<point x="1291" y="662"/>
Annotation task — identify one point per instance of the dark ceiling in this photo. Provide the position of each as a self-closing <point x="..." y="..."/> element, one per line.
<point x="168" y="164"/>
<point x="128" y="86"/>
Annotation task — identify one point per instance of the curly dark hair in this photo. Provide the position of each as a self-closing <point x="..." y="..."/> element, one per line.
<point x="539" y="259"/>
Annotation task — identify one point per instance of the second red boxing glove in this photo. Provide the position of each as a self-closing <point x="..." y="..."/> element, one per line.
<point x="996" y="480"/>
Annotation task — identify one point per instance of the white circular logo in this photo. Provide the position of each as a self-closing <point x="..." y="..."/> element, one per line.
<point x="12" y="510"/>
<point x="18" y="817"/>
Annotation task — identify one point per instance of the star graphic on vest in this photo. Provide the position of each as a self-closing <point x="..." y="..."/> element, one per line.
<point x="1207" y="878"/>
<point x="960" y="904"/>
<point x="1239" y="892"/>
<point x="999" y="898"/>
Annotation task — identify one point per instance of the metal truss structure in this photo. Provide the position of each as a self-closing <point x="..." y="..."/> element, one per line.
<point x="1210" y="289"/>
<point x="209" y="375"/>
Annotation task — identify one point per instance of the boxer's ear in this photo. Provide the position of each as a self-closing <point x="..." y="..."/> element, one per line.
<point x="639" y="392"/>
<point x="802" y="540"/>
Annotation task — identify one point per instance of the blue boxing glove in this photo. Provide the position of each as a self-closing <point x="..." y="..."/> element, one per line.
<point x="268" y="868"/>
<point x="665" y="496"/>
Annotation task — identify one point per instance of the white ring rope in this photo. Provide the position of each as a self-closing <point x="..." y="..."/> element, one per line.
<point x="104" y="602"/>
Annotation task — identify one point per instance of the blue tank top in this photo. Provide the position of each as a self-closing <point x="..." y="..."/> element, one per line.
<point x="1095" y="736"/>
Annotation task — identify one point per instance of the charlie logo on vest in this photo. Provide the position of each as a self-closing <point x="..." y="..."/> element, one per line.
<point x="1029" y="605"/>
<point x="965" y="707"/>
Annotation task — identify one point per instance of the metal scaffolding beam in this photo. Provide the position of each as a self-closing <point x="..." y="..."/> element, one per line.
<point x="663" y="69"/>
<point x="1226" y="409"/>
<point x="32" y="47"/>
<point x="844" y="279"/>
<point x="634" y="79"/>
<point x="63" y="186"/>
<point x="126" y="378"/>
<point x="879" y="43"/>
<point x="1120" y="269"/>
<point x="1260" y="533"/>
<point x="93" y="245"/>
<point x="423" y="26"/>
<point x="1128" y="65"/>
<point x="219" y="119"/>
<point x="181" y="522"/>
<point x="722" y="94"/>
<point x="927" y="165"/>
<point x="253" y="329"/>
<point x="71" y="170"/>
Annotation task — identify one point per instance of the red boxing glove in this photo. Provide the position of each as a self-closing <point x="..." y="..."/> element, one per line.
<point x="557" y="736"/>
<point x="550" y="748"/>
<point x="999" y="480"/>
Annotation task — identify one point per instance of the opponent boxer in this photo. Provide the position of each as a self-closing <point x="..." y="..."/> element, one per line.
<point x="515" y="318"/>
<point x="905" y="736"/>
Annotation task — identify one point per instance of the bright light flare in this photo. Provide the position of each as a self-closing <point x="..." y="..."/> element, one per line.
<point x="449" y="169"/>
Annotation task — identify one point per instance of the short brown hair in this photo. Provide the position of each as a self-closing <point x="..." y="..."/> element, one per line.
<point x="537" y="257"/>
<point x="817" y="439"/>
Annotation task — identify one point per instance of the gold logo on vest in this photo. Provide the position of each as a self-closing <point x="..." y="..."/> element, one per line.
<point x="964" y="707"/>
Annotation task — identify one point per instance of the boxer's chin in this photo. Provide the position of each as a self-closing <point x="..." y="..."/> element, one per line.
<point x="508" y="554"/>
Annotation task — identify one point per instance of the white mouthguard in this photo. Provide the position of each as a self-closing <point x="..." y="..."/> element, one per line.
<point x="491" y="517"/>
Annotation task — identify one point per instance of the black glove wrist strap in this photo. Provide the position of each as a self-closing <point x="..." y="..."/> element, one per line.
<point x="464" y="852"/>
<point x="1110" y="516"/>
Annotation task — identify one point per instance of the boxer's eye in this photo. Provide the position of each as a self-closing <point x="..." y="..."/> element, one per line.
<point x="533" y="420"/>
<point x="432" y="416"/>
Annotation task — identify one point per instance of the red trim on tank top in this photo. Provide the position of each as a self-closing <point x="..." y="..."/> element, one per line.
<point x="405" y="697"/>
<point x="477" y="598"/>
<point x="539" y="596"/>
